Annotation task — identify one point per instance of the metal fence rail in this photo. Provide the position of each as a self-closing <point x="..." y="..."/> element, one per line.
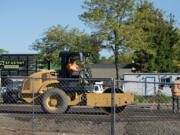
<point x="91" y="106"/>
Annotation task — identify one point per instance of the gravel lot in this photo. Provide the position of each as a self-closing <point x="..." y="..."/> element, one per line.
<point x="12" y="126"/>
<point x="135" y="120"/>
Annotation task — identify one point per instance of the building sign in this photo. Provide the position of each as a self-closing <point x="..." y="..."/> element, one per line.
<point x="11" y="64"/>
<point x="18" y="64"/>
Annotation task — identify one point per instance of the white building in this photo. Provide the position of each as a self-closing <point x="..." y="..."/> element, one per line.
<point x="148" y="84"/>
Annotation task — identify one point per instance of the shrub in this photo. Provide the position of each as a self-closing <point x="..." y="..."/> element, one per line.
<point x="152" y="99"/>
<point x="138" y="99"/>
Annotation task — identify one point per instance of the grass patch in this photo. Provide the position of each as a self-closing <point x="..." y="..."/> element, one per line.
<point x="152" y="99"/>
<point x="138" y="99"/>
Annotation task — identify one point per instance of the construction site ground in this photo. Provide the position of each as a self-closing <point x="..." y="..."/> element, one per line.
<point x="142" y="119"/>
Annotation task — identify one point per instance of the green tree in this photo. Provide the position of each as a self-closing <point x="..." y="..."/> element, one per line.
<point x="59" y="38"/>
<point x="152" y="38"/>
<point x="2" y="51"/>
<point x="166" y="39"/>
<point x="177" y="48"/>
<point x="104" y="60"/>
<point x="140" y="31"/>
<point x="109" y="18"/>
<point x="124" y="58"/>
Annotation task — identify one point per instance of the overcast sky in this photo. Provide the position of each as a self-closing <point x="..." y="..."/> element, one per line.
<point x="24" y="21"/>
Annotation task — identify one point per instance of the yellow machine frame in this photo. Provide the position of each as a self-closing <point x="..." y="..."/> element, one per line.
<point x="39" y="86"/>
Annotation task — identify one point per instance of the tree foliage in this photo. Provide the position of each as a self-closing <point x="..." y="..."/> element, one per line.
<point x="58" y="38"/>
<point x="166" y="39"/>
<point x="130" y="28"/>
<point x="2" y="51"/>
<point x="140" y="32"/>
<point x="109" y="18"/>
<point x="177" y="48"/>
<point x="153" y="39"/>
<point x="124" y="58"/>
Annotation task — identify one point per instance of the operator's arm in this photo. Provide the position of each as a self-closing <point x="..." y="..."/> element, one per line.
<point x="79" y="67"/>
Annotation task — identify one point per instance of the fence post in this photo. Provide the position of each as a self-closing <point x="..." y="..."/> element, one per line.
<point x="33" y="106"/>
<point x="113" y="109"/>
<point x="158" y="105"/>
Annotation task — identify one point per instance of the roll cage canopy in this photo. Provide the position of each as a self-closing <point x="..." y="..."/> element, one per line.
<point x="70" y="54"/>
<point x="65" y="56"/>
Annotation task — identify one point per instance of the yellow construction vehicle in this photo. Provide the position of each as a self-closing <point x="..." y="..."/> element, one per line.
<point x="55" y="91"/>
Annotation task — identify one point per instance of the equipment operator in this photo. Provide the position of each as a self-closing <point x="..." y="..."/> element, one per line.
<point x="73" y="68"/>
<point x="176" y="95"/>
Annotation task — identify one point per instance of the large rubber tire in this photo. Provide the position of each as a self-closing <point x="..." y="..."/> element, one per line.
<point x="54" y="95"/>
<point x="118" y="109"/>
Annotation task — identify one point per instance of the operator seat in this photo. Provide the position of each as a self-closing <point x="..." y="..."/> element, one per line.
<point x="72" y="74"/>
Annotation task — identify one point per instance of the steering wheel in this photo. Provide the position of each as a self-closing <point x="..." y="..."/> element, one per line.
<point x="85" y="73"/>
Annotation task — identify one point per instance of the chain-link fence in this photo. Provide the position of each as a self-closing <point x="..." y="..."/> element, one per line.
<point x="151" y="112"/>
<point x="85" y="106"/>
